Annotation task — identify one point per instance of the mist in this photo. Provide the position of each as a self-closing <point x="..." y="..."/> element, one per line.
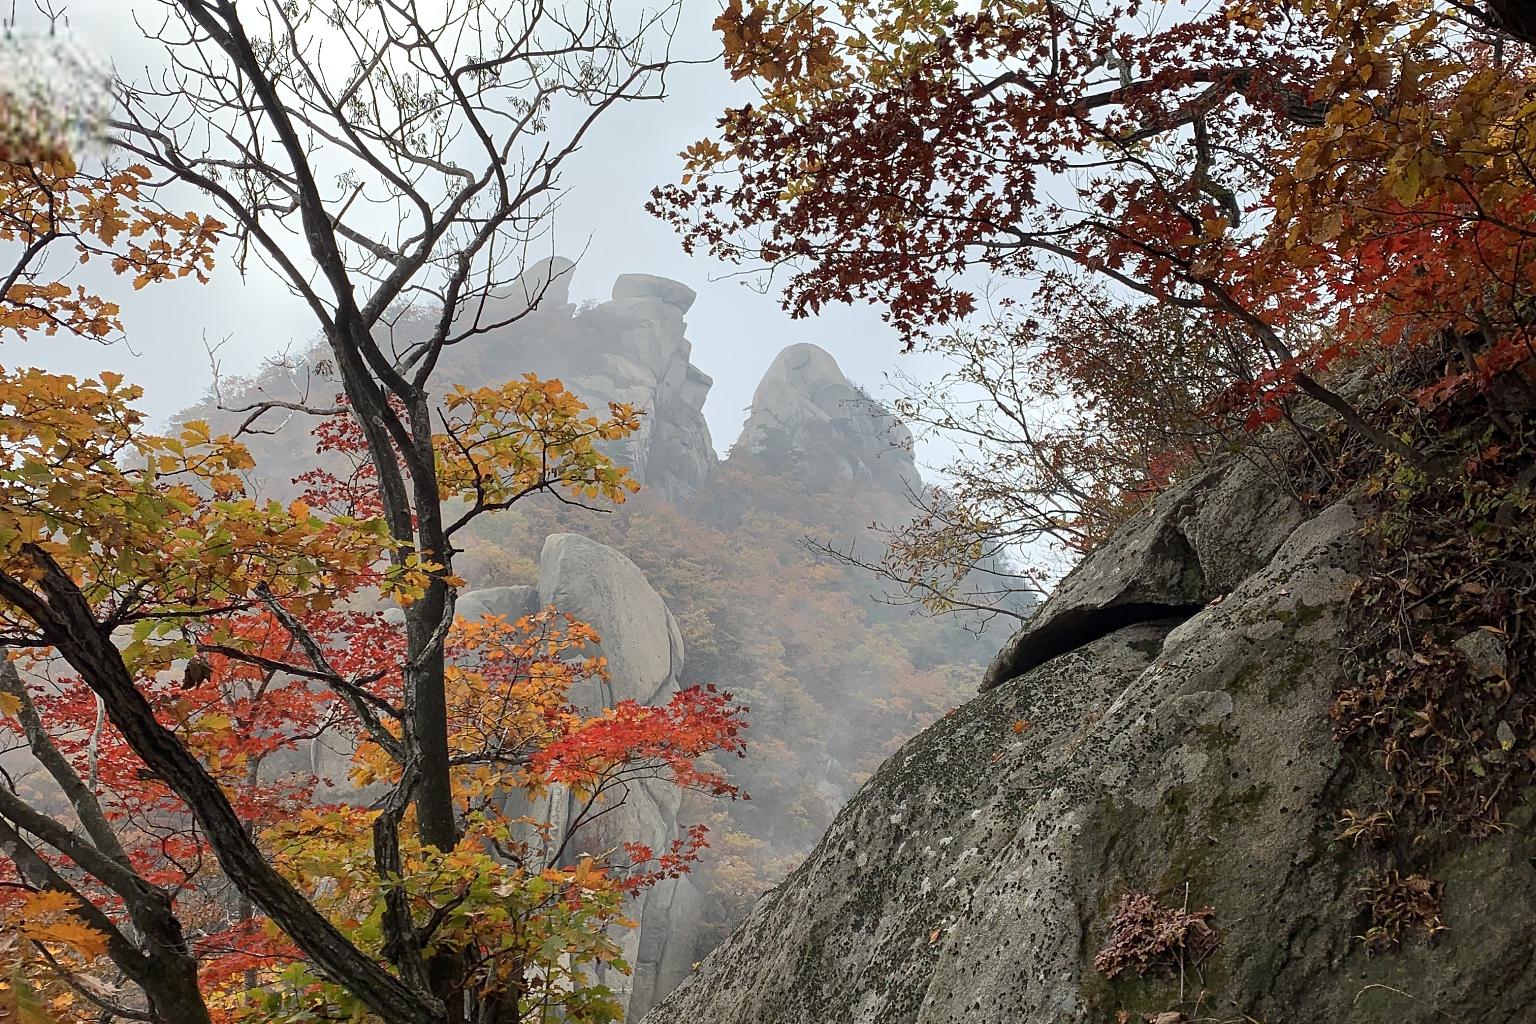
<point x="247" y="317"/>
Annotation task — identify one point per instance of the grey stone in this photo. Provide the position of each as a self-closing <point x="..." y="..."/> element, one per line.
<point x="649" y="286"/>
<point x="643" y="646"/>
<point x="511" y="602"/>
<point x="544" y="285"/>
<point x="972" y="879"/>
<point x="1486" y="653"/>
<point x="805" y="405"/>
<point x="603" y="588"/>
<point x="1188" y="548"/>
<point x="633" y="349"/>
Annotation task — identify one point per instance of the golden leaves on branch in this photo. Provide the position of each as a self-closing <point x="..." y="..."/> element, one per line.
<point x="513" y="729"/>
<point x="503" y="442"/>
<point x="41" y="933"/>
<point x="50" y="919"/>
<point x="1412" y="202"/>
<point x="778" y="42"/>
<point x="102" y="216"/>
<point x="164" y="517"/>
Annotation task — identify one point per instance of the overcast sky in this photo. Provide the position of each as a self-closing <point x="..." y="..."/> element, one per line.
<point x="735" y="330"/>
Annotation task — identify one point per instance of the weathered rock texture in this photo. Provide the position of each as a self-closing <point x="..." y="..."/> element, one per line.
<point x="512" y="603"/>
<point x="608" y="592"/>
<point x="644" y="650"/>
<point x="1194" y="545"/>
<point x="805" y="407"/>
<point x="973" y="878"/>
<point x="631" y="349"/>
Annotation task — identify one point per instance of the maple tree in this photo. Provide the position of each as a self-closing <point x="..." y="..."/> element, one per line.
<point x="169" y="826"/>
<point x="1315" y="183"/>
<point x="754" y="602"/>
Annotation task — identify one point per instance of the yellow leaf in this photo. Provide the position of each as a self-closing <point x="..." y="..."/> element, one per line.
<point x="48" y="917"/>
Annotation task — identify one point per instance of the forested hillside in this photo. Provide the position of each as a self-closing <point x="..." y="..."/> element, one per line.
<point x="447" y="670"/>
<point x="835" y="669"/>
<point x="833" y="677"/>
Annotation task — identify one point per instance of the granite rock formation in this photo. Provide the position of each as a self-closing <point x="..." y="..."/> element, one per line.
<point x="1163" y="728"/>
<point x="833" y="459"/>
<point x="806" y="409"/>
<point x="631" y="349"/>
<point x="644" y="650"/>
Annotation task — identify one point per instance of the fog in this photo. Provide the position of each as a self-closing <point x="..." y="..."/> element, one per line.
<point x="714" y="547"/>
<point x="736" y="326"/>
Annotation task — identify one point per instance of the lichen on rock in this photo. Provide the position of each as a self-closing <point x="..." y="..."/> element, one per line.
<point x="973" y="878"/>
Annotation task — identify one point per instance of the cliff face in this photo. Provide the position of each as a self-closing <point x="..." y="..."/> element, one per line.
<point x="632" y="349"/>
<point x="1162" y="728"/>
<point x="644" y="651"/>
<point x="805" y="410"/>
<point x="833" y="679"/>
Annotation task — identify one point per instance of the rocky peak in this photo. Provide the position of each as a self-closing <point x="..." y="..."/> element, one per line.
<point x="805" y="406"/>
<point x="1162" y="727"/>
<point x="649" y="286"/>
<point x="633" y="348"/>
<point x="544" y="286"/>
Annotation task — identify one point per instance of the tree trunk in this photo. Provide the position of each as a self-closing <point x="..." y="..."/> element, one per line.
<point x="1516" y="17"/>
<point x="68" y="624"/>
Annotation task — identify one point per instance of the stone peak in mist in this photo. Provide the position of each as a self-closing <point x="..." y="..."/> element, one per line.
<point x="806" y="405"/>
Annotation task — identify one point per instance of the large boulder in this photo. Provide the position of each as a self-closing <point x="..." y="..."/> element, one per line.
<point x="544" y="285"/>
<point x="1189" y="756"/>
<point x="649" y="286"/>
<point x="601" y="587"/>
<point x="511" y="603"/>
<point x="805" y="409"/>
<point x="644" y="650"/>
<point x="1193" y="545"/>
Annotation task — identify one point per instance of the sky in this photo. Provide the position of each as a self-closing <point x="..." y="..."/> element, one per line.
<point x="736" y="330"/>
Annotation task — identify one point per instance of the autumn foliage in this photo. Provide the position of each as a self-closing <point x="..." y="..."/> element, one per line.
<point x="1322" y="183"/>
<point x="205" y="709"/>
<point x="508" y="889"/>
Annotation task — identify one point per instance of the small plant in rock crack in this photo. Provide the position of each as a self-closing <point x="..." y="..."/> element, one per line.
<point x="1400" y="905"/>
<point x="1148" y="937"/>
<point x="1362" y="828"/>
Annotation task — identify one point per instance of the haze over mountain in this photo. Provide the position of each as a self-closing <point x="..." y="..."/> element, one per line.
<point x="601" y="223"/>
<point x="703" y="578"/>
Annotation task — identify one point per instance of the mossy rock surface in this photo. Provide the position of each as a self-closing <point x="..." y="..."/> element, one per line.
<point x="973" y="878"/>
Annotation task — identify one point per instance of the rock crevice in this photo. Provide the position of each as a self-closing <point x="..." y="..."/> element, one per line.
<point x="1080" y="627"/>
<point x="1179" y="554"/>
<point x="973" y="878"/>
